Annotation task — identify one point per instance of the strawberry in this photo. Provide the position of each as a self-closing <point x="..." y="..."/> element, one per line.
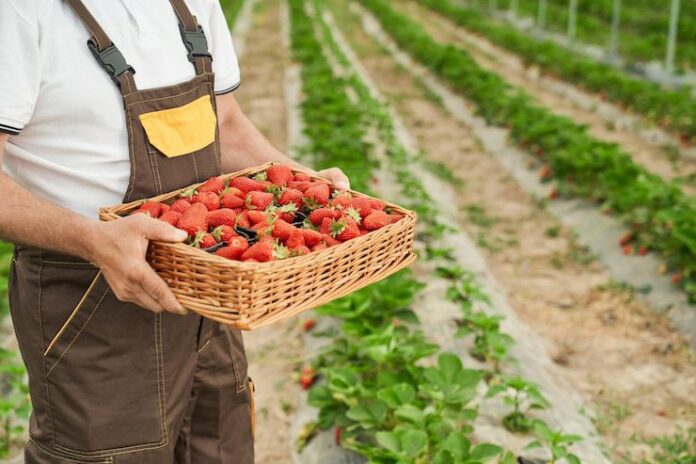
<point x="246" y="185"/>
<point x="221" y="217"/>
<point x="307" y="378"/>
<point x="318" y="194"/>
<point x="214" y="184"/>
<point x="626" y="239"/>
<point x="204" y="240"/>
<point x="232" y="201"/>
<point x="325" y="227"/>
<point x="337" y="435"/>
<point x="319" y="246"/>
<point x="194" y="220"/>
<point x="209" y="199"/>
<point x="291" y="196"/>
<point x="642" y="251"/>
<point x="257" y="216"/>
<point x="260" y="251"/>
<point x="341" y="201"/>
<point x="330" y="241"/>
<point x="362" y="205"/>
<point x="243" y="219"/>
<point x="234" y="249"/>
<point x="263" y="229"/>
<point x="279" y="175"/>
<point x="299" y="251"/>
<point x="171" y="217"/>
<point x="309" y="324"/>
<point x="296" y="239"/>
<point x="554" y="194"/>
<point x="376" y="204"/>
<point x="317" y="216"/>
<point x="224" y="233"/>
<point x="283" y="230"/>
<point x="259" y="200"/>
<point x="677" y="279"/>
<point x="628" y="250"/>
<point x="301" y="186"/>
<point x="311" y="237"/>
<point x="180" y="205"/>
<point x="396" y="217"/>
<point x="164" y="208"/>
<point x="302" y="177"/>
<point x="345" y="229"/>
<point x="152" y="208"/>
<point x="376" y="220"/>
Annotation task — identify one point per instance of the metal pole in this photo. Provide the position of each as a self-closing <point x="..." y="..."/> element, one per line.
<point x="572" y="20"/>
<point x="615" y="24"/>
<point x="672" y="39"/>
<point x="541" y="15"/>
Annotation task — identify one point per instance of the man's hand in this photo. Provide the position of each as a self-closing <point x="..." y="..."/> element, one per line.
<point x="119" y="249"/>
<point x="337" y="177"/>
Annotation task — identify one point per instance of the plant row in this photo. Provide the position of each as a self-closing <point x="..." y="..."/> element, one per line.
<point x="672" y="109"/>
<point x="660" y="216"/>
<point x="643" y="27"/>
<point x="381" y="392"/>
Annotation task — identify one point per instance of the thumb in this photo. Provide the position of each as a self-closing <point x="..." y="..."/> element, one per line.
<point x="158" y="230"/>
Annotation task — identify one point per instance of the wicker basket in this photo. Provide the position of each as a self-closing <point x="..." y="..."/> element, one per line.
<point x="249" y="295"/>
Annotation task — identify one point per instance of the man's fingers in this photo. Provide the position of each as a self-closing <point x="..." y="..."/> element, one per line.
<point x="339" y="179"/>
<point x="156" y="289"/>
<point x="158" y="230"/>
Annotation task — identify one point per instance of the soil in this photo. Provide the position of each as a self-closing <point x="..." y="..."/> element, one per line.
<point x="652" y="156"/>
<point x="628" y="363"/>
<point x="273" y="351"/>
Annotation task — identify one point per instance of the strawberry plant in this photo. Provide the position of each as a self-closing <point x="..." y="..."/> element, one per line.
<point x="556" y="442"/>
<point x="15" y="405"/>
<point x="522" y="396"/>
<point x="5" y="261"/>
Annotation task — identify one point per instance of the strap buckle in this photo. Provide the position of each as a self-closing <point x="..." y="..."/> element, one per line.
<point x="111" y="60"/>
<point x="196" y="43"/>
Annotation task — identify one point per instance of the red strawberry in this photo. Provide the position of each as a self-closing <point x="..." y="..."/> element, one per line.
<point x="628" y="250"/>
<point x="311" y="237"/>
<point x="221" y="217"/>
<point x="283" y="230"/>
<point x="152" y="208"/>
<point x="209" y="199"/>
<point x="260" y="251"/>
<point x="279" y="175"/>
<point x="214" y="184"/>
<point x="263" y="229"/>
<point x="341" y="201"/>
<point x="376" y="220"/>
<point x="337" y="435"/>
<point x="677" y="279"/>
<point x="299" y="251"/>
<point x="325" y="227"/>
<point x="257" y="216"/>
<point x="642" y="251"/>
<point x="246" y="185"/>
<point x="626" y="239"/>
<point x="554" y="194"/>
<point x="301" y="186"/>
<point x="224" y="233"/>
<point x="319" y="246"/>
<point x="318" y="194"/>
<point x="317" y="216"/>
<point x="232" y="201"/>
<point x="345" y="229"/>
<point x="309" y="324"/>
<point x="296" y="239"/>
<point x="165" y="207"/>
<point x="302" y="177"/>
<point x="307" y="378"/>
<point x="330" y="241"/>
<point x="362" y="205"/>
<point x="171" y="217"/>
<point x="243" y="219"/>
<point x="194" y="220"/>
<point x="291" y="196"/>
<point x="180" y="205"/>
<point x="396" y="217"/>
<point x="204" y="240"/>
<point x="259" y="200"/>
<point x="376" y="204"/>
<point x="234" y="249"/>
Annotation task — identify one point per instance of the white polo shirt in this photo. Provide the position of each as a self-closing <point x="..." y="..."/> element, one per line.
<point x="64" y="114"/>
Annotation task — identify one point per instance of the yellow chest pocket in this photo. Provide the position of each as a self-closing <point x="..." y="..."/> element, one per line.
<point x="182" y="130"/>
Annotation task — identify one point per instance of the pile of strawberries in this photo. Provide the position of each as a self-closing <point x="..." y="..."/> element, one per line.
<point x="277" y="214"/>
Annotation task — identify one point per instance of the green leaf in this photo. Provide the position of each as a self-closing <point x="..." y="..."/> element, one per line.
<point x="388" y="440"/>
<point x="485" y="451"/>
<point x="414" y="442"/>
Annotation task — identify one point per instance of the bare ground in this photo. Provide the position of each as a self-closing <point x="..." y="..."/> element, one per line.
<point x="627" y="362"/>
<point x="273" y="351"/>
<point x="652" y="156"/>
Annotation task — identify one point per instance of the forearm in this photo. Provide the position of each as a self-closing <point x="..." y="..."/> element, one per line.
<point x="29" y="220"/>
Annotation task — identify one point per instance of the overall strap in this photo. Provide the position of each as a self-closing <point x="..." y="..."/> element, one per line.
<point x="104" y="50"/>
<point x="194" y="38"/>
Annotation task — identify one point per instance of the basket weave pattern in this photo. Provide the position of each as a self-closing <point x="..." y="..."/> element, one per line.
<point x="249" y="295"/>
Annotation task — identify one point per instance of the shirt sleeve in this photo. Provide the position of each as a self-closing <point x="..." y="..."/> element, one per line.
<point x="20" y="66"/>
<point x="225" y="65"/>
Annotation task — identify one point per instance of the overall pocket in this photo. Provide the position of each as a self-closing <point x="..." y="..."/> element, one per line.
<point x="103" y="364"/>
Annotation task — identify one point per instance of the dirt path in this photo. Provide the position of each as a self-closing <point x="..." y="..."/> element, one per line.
<point x="653" y="156"/>
<point x="273" y="351"/>
<point x="634" y="368"/>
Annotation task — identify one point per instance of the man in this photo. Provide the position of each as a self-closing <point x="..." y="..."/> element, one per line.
<point x="103" y="102"/>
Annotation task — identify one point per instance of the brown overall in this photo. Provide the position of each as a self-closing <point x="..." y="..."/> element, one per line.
<point x="109" y="381"/>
